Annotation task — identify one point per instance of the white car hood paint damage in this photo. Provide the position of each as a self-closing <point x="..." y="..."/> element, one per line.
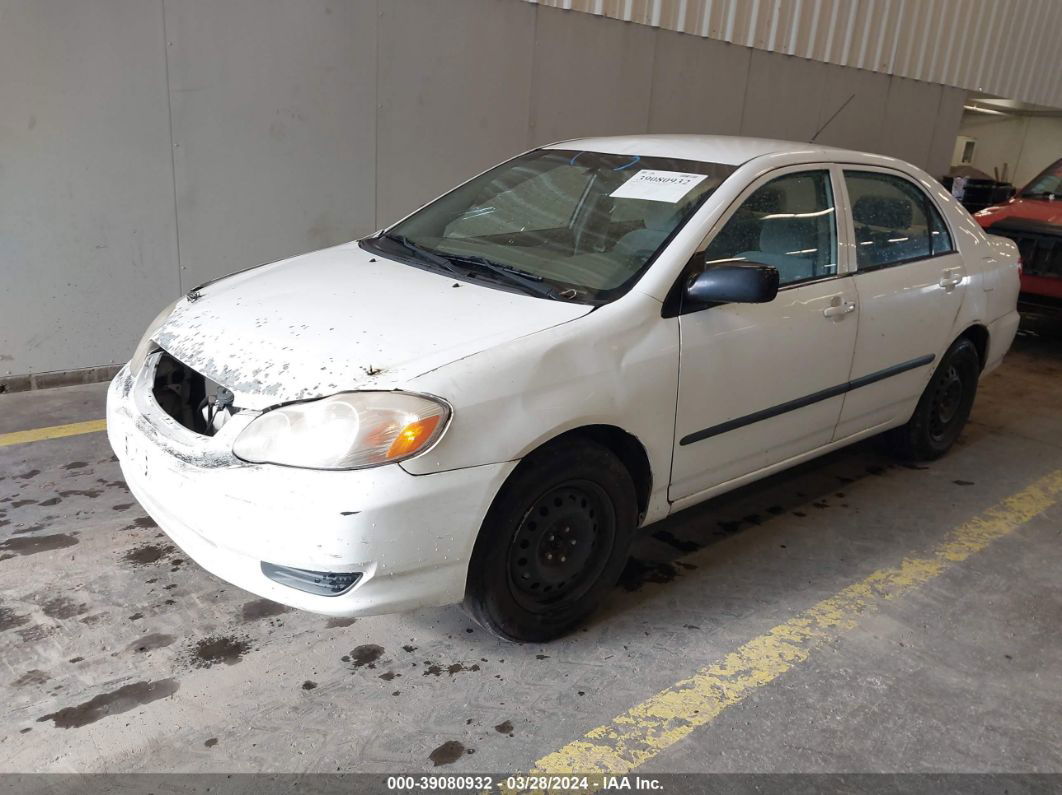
<point x="342" y="319"/>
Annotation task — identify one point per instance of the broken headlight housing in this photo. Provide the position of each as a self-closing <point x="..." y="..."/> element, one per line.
<point x="147" y="344"/>
<point x="352" y="430"/>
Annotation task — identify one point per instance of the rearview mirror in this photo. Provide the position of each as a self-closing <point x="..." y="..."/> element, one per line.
<point x="734" y="284"/>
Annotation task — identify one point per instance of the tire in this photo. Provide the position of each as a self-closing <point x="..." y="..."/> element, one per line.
<point x="944" y="407"/>
<point x="553" y="543"/>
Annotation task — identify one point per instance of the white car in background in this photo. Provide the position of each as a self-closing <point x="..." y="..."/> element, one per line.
<point x="484" y="401"/>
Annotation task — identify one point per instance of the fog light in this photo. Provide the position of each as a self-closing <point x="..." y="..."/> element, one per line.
<point x="322" y="583"/>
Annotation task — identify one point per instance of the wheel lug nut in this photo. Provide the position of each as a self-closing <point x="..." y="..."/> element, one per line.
<point x="549" y="556"/>
<point x="563" y="558"/>
<point x="572" y="542"/>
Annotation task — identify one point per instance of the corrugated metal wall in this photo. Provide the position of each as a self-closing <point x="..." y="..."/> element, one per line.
<point x="1003" y="47"/>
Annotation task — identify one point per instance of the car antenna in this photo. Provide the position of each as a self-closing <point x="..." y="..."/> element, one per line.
<point x="834" y="116"/>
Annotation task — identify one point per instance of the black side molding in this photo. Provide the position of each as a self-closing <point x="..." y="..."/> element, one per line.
<point x="807" y="400"/>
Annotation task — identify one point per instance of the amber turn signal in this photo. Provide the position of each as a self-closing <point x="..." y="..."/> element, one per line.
<point x="412" y="437"/>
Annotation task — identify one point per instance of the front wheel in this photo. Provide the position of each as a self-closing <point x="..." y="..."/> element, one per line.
<point x="553" y="543"/>
<point x="943" y="408"/>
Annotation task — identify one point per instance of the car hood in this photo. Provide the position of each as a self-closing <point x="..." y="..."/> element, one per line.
<point x="342" y="319"/>
<point x="1040" y="211"/>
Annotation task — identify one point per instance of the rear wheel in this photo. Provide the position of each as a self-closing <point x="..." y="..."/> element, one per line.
<point x="553" y="543"/>
<point x="943" y="408"/>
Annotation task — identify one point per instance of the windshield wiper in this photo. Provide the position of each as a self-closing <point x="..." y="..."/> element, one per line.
<point x="474" y="266"/>
<point x="423" y="255"/>
<point x="528" y="282"/>
<point x="1039" y="194"/>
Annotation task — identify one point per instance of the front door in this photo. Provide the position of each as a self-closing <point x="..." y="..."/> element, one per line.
<point x="762" y="383"/>
<point x="911" y="283"/>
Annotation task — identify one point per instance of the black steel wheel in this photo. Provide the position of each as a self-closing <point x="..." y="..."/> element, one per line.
<point x="944" y="407"/>
<point x="945" y="403"/>
<point x="553" y="543"/>
<point x="554" y="554"/>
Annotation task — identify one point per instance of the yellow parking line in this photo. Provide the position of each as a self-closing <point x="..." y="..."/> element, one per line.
<point x="53" y="432"/>
<point x="647" y="729"/>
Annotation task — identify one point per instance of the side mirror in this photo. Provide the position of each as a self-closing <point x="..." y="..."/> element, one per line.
<point x="734" y="284"/>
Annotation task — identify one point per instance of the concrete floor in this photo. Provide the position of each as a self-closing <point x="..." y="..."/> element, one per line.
<point x="117" y="654"/>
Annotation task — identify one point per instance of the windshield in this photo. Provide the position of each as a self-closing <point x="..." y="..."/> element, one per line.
<point x="1047" y="185"/>
<point x="562" y="224"/>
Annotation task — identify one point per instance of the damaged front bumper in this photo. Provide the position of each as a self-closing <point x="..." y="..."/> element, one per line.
<point x="407" y="538"/>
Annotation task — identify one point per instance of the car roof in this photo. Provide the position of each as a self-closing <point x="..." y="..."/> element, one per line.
<point x="731" y="150"/>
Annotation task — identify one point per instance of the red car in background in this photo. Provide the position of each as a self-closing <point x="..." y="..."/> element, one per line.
<point x="1033" y="220"/>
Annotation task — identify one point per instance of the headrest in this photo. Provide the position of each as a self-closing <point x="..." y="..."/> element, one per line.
<point x="882" y="211"/>
<point x="786" y="235"/>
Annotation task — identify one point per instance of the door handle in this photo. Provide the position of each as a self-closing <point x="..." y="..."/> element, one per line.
<point x="839" y="309"/>
<point x="950" y="280"/>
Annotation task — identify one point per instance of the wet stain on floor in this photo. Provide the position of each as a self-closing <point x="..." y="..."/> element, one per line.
<point x="33" y="677"/>
<point x="90" y="493"/>
<point x="335" y="623"/>
<point x="365" y="655"/>
<point x="31" y="545"/>
<point x="435" y="669"/>
<point x="258" y="609"/>
<point x="505" y="727"/>
<point x="63" y="607"/>
<point x="447" y="753"/>
<point x="638" y="572"/>
<point x="219" y="649"/>
<point x="36" y="632"/>
<point x="114" y="703"/>
<point x="670" y="539"/>
<point x="150" y="642"/>
<point x="148" y="554"/>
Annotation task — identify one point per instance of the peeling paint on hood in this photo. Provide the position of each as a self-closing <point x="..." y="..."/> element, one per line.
<point x="342" y="319"/>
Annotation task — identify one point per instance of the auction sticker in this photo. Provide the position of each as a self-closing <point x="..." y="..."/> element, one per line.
<point x="658" y="186"/>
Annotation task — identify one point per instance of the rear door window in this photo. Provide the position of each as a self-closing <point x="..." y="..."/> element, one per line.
<point x="895" y="222"/>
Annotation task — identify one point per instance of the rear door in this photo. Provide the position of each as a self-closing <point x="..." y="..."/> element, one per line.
<point x="761" y="383"/>
<point x="911" y="283"/>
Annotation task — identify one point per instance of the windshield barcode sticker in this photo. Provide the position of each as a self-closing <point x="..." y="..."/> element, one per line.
<point x="658" y="186"/>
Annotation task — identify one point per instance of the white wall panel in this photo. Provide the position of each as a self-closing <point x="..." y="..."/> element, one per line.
<point x="1003" y="47"/>
<point x="1022" y="145"/>
<point x="783" y="97"/>
<point x="948" y="117"/>
<point x="449" y="105"/>
<point x="855" y="100"/>
<point x="88" y="250"/>
<point x="591" y="77"/>
<point x="698" y="85"/>
<point x="273" y="128"/>
<point x="910" y="119"/>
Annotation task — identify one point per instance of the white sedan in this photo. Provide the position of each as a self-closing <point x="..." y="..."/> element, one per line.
<point x="483" y="402"/>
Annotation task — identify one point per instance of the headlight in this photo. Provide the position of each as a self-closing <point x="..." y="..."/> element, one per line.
<point x="146" y="343"/>
<point x="348" y="431"/>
